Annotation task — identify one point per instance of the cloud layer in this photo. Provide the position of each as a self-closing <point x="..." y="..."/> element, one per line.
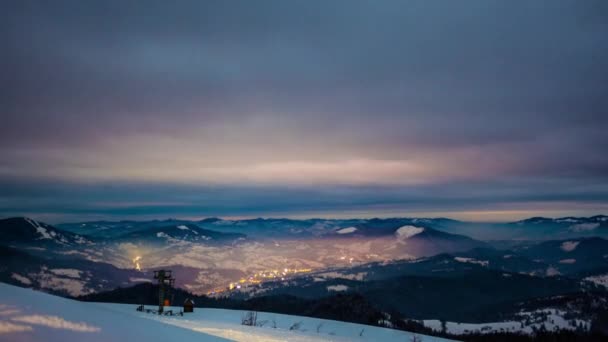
<point x="384" y="101"/>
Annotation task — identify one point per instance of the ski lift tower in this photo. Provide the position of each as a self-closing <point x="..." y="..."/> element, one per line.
<point x="165" y="283"/>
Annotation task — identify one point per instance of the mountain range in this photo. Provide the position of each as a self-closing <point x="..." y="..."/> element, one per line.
<point x="421" y="268"/>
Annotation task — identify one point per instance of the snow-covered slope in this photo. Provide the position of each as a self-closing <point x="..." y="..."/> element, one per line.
<point x="527" y="323"/>
<point x="348" y="230"/>
<point x="27" y="315"/>
<point x="406" y="232"/>
<point x="29" y="232"/>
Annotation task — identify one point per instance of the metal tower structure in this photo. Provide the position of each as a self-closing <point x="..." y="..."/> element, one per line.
<point x="165" y="283"/>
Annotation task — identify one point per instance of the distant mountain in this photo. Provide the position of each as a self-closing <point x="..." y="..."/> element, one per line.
<point x="112" y="229"/>
<point x="570" y="256"/>
<point x="536" y="228"/>
<point x="270" y="228"/>
<point x="428" y="241"/>
<point x="25" y="231"/>
<point x="501" y="260"/>
<point x="507" y="235"/>
<point x="564" y="227"/>
<point x="67" y="275"/>
<point x="565" y="220"/>
<point x="180" y="232"/>
<point x="380" y="227"/>
<point x="542" y="260"/>
<point x="413" y="240"/>
<point x="442" y="265"/>
<point x="210" y="254"/>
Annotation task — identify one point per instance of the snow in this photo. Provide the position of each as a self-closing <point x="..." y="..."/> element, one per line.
<point x="81" y="240"/>
<point x="56" y="323"/>
<point x="584" y="227"/>
<point x="8" y="327"/>
<point x="348" y="230"/>
<point x="472" y="261"/>
<point x="337" y="288"/>
<point x="226" y="324"/>
<point x="69" y="285"/>
<point x="182" y="227"/>
<point x="67" y="280"/>
<point x="44" y="234"/>
<point x="38" y="316"/>
<point x="567" y="261"/>
<point x="569" y="246"/>
<point x="407" y="232"/>
<point x="601" y="280"/>
<point x="552" y="271"/>
<point x="68" y="272"/>
<point x="568" y="219"/>
<point x="21" y="279"/>
<point x="551" y="319"/>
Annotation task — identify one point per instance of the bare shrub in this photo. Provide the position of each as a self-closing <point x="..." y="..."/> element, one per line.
<point x="249" y="318"/>
<point x="296" y="326"/>
<point x="262" y="323"/>
<point x="415" y="338"/>
<point x="319" y="326"/>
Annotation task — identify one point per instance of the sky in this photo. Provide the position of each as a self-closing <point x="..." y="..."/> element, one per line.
<point x="480" y="110"/>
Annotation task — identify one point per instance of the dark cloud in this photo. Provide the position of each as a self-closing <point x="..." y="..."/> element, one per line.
<point x="60" y="202"/>
<point x="235" y="92"/>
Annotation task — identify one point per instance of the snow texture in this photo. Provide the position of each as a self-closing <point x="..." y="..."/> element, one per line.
<point x="348" y="230"/>
<point x="472" y="261"/>
<point x="21" y="279"/>
<point x="337" y="288"/>
<point x="44" y="234"/>
<point x="407" y="232"/>
<point x="37" y="316"/>
<point x="601" y="280"/>
<point x="584" y="227"/>
<point x="569" y="246"/>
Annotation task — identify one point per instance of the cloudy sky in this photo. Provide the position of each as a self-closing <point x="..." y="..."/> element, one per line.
<point x="484" y="110"/>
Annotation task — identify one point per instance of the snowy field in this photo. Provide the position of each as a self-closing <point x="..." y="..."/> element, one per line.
<point x="27" y="315"/>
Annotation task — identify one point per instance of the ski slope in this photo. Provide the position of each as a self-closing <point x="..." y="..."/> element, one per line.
<point x="28" y="315"/>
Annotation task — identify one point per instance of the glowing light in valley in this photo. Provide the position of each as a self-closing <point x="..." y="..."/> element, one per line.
<point x="257" y="278"/>
<point x="136" y="262"/>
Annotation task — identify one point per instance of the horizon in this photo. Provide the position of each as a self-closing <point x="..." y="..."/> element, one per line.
<point x="464" y="219"/>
